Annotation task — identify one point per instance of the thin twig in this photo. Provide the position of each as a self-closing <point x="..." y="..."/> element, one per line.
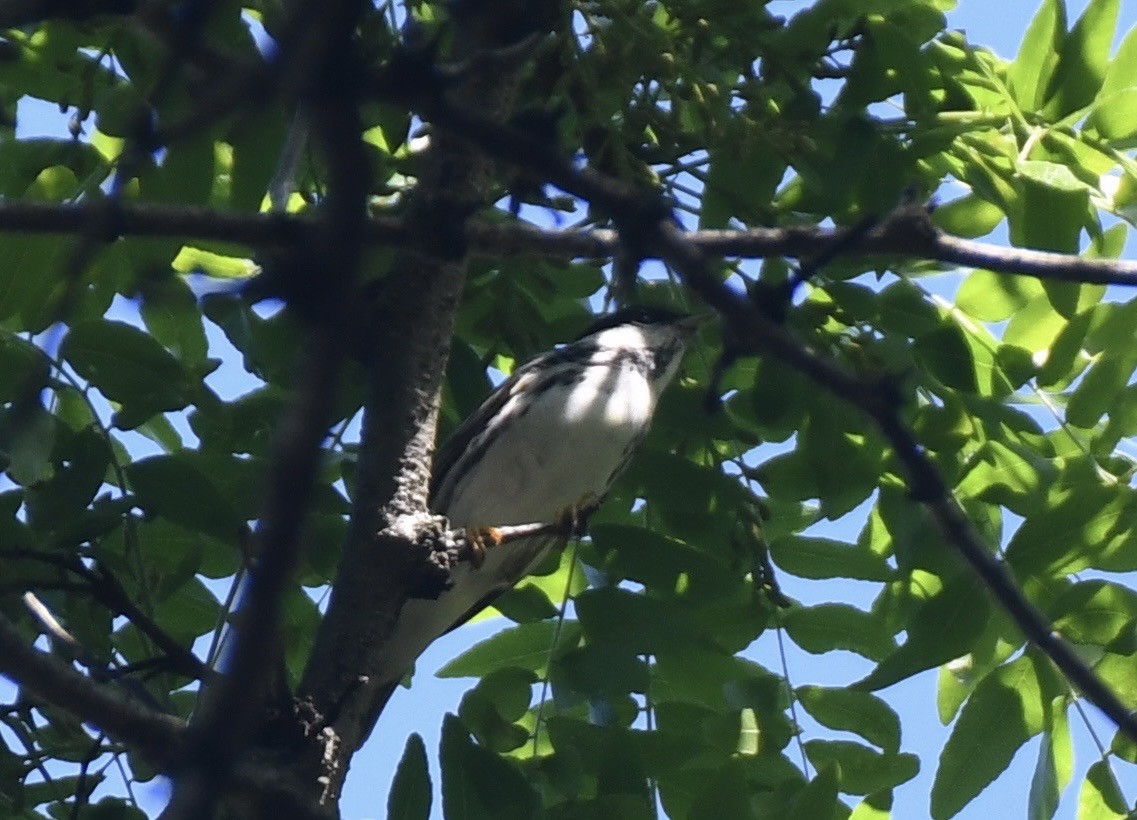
<point x="108" y="591"/>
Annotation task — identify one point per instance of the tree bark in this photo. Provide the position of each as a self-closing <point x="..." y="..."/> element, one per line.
<point x="413" y="324"/>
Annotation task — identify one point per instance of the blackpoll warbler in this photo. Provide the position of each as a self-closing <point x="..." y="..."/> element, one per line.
<point x="550" y="440"/>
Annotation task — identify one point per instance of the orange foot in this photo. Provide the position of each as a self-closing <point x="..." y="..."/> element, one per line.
<point x="481" y="539"/>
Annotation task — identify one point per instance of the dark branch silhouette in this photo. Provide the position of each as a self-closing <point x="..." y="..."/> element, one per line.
<point x="909" y="235"/>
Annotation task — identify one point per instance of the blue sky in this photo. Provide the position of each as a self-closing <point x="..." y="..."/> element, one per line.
<point x="1000" y="26"/>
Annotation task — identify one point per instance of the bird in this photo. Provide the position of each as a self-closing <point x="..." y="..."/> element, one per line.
<point x="548" y="442"/>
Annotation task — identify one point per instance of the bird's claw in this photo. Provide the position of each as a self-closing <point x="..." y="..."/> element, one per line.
<point x="481" y="539"/>
<point x="574" y="518"/>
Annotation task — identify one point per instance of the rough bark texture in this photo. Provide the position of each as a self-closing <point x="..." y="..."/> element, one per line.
<point x="413" y="326"/>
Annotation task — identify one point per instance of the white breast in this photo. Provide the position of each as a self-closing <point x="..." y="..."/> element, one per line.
<point x="558" y="453"/>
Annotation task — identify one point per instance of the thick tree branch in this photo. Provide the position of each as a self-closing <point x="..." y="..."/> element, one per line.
<point x="381" y="559"/>
<point x="908" y="235"/>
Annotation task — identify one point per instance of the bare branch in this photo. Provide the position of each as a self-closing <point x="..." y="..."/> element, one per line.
<point x="108" y="591"/>
<point x="18" y="13"/>
<point x="910" y="236"/>
<point x="156" y="736"/>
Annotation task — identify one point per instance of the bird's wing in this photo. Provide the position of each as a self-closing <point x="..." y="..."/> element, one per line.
<point x="456" y="446"/>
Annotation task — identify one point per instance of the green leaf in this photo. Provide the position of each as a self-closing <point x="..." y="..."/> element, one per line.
<point x="1011" y="476"/>
<point x="1046" y="215"/>
<point x="1095" y="612"/>
<point x="191" y="259"/>
<point x="1055" y="764"/>
<point x="1115" y="109"/>
<point x="995" y="297"/>
<point x="1082" y="525"/>
<point x="622" y="757"/>
<point x="1035" y="326"/>
<point x="861" y="769"/>
<point x="492" y="708"/>
<point x="185" y="175"/>
<point x="853" y="711"/>
<point x="637" y="622"/>
<point x="173" y="488"/>
<point x="253" y="160"/>
<point x="1100" y="797"/>
<point x="1119" y="673"/>
<point x="818" y="800"/>
<point x="172" y="315"/>
<point x="1044" y="790"/>
<point x="476" y="783"/>
<point x="906" y="309"/>
<point x="942" y="628"/>
<point x="874" y="807"/>
<point x="820" y="558"/>
<point x="717" y="680"/>
<point x="26" y="444"/>
<point x="22" y="161"/>
<point x="526" y="646"/>
<point x="1052" y="175"/>
<point x="826" y="627"/>
<point x="129" y="367"/>
<point x="22" y="366"/>
<point x="947" y="356"/>
<point x="81" y="461"/>
<point x="58" y="788"/>
<point x="600" y="669"/>
<point x="1102" y="383"/>
<point x="1082" y="60"/>
<point x="1061" y="364"/>
<point x="745" y="169"/>
<point x="189" y="612"/>
<point x="969" y="216"/>
<point x="1003" y="712"/>
<point x="727" y="794"/>
<point x="662" y="563"/>
<point x="1029" y="75"/>
<point x="466" y="382"/>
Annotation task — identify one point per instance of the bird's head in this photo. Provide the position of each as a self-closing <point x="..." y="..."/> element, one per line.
<point x="655" y="337"/>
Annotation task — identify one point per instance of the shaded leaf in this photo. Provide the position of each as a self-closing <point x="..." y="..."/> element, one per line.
<point x="411" y="793"/>
<point x="476" y="783"/>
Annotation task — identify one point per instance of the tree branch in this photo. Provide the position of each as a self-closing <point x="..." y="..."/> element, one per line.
<point x="876" y="400"/>
<point x="412" y="339"/>
<point x="107" y="590"/>
<point x="158" y="737"/>
<point x="908" y="235"/>
<point x="231" y="709"/>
